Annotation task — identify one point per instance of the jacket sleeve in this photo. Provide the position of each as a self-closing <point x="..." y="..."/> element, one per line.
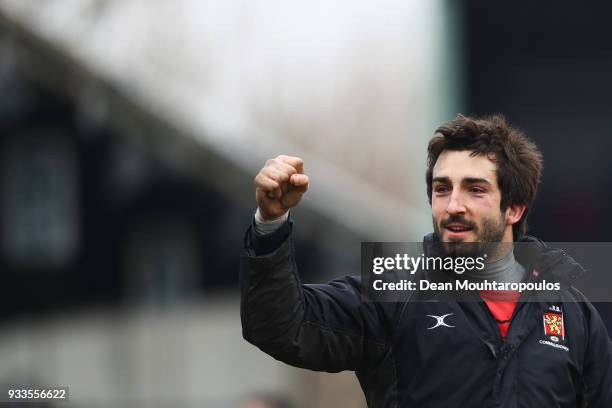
<point x="598" y="362"/>
<point x="324" y="327"/>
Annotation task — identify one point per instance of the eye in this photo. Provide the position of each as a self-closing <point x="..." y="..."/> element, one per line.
<point x="477" y="190"/>
<point x="441" y="189"/>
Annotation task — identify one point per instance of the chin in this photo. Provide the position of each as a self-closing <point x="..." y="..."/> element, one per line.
<point x="464" y="247"/>
<point x="459" y="240"/>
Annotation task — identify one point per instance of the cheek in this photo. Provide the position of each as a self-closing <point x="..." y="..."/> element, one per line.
<point x="486" y="204"/>
<point x="437" y="207"/>
<point x="488" y="210"/>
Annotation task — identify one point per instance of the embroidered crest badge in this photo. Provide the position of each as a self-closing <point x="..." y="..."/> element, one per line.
<point x="553" y="324"/>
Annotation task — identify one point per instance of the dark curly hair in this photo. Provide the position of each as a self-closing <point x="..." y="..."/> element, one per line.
<point x="518" y="159"/>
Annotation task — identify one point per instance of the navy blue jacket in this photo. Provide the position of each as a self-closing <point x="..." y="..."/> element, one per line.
<point x="401" y="362"/>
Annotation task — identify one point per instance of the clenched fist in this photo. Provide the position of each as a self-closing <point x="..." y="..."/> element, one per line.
<point x="279" y="186"/>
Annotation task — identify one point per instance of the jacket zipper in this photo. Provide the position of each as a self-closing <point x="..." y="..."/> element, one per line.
<point x="492" y="325"/>
<point x="499" y="353"/>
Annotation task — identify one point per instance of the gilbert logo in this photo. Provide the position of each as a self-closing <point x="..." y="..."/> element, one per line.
<point x="440" y="321"/>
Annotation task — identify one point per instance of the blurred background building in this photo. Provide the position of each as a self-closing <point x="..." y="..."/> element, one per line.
<point x="131" y="133"/>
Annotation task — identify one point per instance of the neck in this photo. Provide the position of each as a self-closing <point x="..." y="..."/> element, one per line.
<point x="503" y="269"/>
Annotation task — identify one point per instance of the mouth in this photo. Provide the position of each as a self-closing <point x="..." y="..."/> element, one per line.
<point x="457" y="229"/>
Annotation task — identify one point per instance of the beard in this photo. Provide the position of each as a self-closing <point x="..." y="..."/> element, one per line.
<point x="488" y="236"/>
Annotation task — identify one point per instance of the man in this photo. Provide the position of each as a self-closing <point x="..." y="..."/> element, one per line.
<point x="498" y="351"/>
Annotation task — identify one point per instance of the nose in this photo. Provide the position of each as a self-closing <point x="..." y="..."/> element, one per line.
<point x="455" y="204"/>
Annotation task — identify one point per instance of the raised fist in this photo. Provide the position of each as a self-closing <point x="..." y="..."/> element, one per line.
<point x="279" y="186"/>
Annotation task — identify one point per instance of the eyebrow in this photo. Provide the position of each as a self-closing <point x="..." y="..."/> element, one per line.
<point x="475" y="180"/>
<point x="445" y="180"/>
<point x="466" y="180"/>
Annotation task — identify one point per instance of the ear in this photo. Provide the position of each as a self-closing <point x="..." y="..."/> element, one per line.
<point x="514" y="212"/>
